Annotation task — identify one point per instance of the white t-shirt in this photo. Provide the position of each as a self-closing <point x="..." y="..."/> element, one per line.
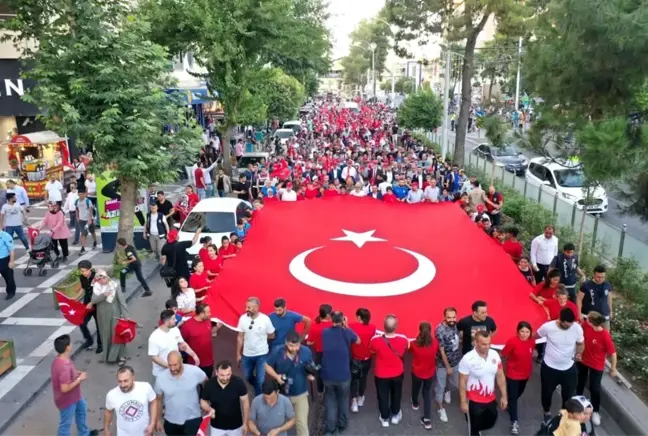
<point x="12" y="214"/>
<point x="161" y="343"/>
<point x="153" y="230"/>
<point x="131" y="408"/>
<point x="481" y="375"/>
<point x="289" y="196"/>
<point x="54" y="191"/>
<point x="91" y="188"/>
<point x="256" y="331"/>
<point x="355" y="193"/>
<point x="561" y="344"/>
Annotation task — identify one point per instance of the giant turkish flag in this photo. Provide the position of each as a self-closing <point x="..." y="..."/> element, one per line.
<point x="409" y="260"/>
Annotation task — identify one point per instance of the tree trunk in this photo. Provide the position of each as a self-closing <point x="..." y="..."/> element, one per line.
<point x="466" y="89"/>
<point x="490" y="88"/>
<point x="128" y="189"/>
<point x="227" y="149"/>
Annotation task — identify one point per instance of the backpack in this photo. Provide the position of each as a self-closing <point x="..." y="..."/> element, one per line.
<point x="89" y="205"/>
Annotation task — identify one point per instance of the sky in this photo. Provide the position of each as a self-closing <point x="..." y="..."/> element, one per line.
<point x="345" y="16"/>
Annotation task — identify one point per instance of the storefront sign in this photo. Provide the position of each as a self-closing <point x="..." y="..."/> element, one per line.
<point x="12" y="89"/>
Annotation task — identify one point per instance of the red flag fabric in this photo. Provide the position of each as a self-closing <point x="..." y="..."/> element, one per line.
<point x="74" y="311"/>
<point x="204" y="425"/>
<point x="411" y="260"/>
<point x="125" y="331"/>
<point x="32" y="232"/>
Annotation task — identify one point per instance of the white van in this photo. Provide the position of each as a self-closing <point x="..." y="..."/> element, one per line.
<point x="352" y="106"/>
<point x="216" y="216"/>
<point x="295" y="125"/>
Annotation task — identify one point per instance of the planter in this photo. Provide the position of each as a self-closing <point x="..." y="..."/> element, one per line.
<point x="70" y="286"/>
<point x="7" y="356"/>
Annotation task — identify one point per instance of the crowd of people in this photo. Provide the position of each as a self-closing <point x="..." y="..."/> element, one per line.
<point x="284" y="354"/>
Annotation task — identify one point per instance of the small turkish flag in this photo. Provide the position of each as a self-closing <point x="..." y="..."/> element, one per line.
<point x="32" y="232"/>
<point x="125" y="331"/>
<point x="204" y="424"/>
<point x="74" y="311"/>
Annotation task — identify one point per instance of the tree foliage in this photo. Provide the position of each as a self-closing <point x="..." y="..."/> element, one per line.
<point x="402" y="85"/>
<point x="282" y="94"/>
<point x="101" y="81"/>
<point x="498" y="61"/>
<point x="358" y="62"/>
<point x="421" y="110"/>
<point x="459" y="22"/>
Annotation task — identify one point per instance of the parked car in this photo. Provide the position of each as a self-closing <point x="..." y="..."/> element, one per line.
<point x="567" y="180"/>
<point x="284" y="135"/>
<point x="508" y="157"/>
<point x="216" y="216"/>
<point x="295" y="125"/>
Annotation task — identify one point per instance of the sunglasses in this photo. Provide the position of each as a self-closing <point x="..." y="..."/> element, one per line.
<point x="251" y="324"/>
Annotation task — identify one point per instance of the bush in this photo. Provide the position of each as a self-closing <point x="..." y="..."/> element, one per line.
<point x="431" y="145"/>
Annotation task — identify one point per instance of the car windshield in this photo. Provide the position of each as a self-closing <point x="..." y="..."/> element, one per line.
<point x="508" y="150"/>
<point x="211" y="222"/>
<point x="244" y="161"/>
<point x="284" y="135"/>
<point x="570" y="177"/>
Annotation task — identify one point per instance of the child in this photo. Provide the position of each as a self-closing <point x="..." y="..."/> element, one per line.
<point x="173" y="305"/>
<point x="568" y="422"/>
<point x="525" y="269"/>
<point x="241" y="231"/>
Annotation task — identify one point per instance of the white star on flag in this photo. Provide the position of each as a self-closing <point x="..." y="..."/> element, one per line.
<point x="72" y="312"/>
<point x="359" y="239"/>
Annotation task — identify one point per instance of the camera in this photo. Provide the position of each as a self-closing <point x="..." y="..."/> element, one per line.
<point x="312" y="368"/>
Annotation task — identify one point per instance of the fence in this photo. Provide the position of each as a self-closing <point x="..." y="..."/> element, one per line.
<point x="617" y="242"/>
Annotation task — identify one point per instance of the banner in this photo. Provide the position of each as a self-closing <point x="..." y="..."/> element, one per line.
<point x="109" y="204"/>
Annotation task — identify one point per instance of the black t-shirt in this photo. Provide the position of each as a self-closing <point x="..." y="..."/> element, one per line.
<point x="528" y="275"/>
<point x="177" y="257"/>
<point x="164" y="208"/>
<point x="226" y="402"/>
<point x="245" y="187"/>
<point x="468" y="326"/>
<point x="131" y="254"/>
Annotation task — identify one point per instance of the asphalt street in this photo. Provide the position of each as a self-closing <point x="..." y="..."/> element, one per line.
<point x="40" y="417"/>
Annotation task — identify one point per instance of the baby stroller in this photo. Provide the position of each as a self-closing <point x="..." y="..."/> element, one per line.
<point x="40" y="253"/>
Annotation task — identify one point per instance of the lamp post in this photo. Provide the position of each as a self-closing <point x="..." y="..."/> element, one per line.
<point x="373" y="47"/>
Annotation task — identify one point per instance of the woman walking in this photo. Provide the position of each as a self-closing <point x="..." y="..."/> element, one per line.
<point x="423" y="350"/>
<point x="110" y="306"/>
<point x="55" y="222"/>
<point x="185" y="297"/>
<point x="518" y="354"/>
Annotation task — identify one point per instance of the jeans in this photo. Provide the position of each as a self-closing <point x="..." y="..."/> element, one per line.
<point x="359" y="379"/>
<point x="585" y="374"/>
<point x="254" y="370"/>
<point x="317" y="358"/>
<point x="74" y="224"/>
<point x="221" y="194"/>
<point x="137" y="268"/>
<point x="8" y="276"/>
<point x="550" y="378"/>
<point x="442" y="382"/>
<point x="390" y="392"/>
<point x="190" y="427"/>
<point x="514" y="389"/>
<point x="209" y="189"/>
<point x="86" y="333"/>
<point x="18" y="230"/>
<point x="201" y="193"/>
<point x="76" y="412"/>
<point x="336" y="405"/>
<point x="425" y="385"/>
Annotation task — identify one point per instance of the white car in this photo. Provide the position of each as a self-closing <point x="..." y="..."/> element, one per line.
<point x="284" y="135"/>
<point x="216" y="216"/>
<point x="567" y="180"/>
<point x="295" y="125"/>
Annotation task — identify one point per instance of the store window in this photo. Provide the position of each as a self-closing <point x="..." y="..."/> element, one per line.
<point x="6" y="12"/>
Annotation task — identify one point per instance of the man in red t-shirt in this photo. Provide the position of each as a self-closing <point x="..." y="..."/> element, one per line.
<point x="494" y="205"/>
<point x="511" y="245"/>
<point x="199" y="178"/>
<point x="197" y="333"/>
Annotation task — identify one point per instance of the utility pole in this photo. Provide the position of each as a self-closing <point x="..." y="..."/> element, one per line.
<point x="517" y="81"/>
<point x="446" y="104"/>
<point x="393" y="88"/>
<point x="373" y="47"/>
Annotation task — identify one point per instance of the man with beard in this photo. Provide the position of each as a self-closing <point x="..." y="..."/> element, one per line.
<point x="224" y="398"/>
<point x="447" y="360"/>
<point x="134" y="403"/>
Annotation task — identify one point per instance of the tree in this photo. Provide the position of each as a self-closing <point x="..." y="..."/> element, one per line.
<point x="358" y="61"/>
<point x="496" y="132"/>
<point x="457" y="21"/>
<point x="101" y="81"/>
<point x="421" y="110"/>
<point x="498" y="61"/>
<point x="402" y="85"/>
<point x="283" y="95"/>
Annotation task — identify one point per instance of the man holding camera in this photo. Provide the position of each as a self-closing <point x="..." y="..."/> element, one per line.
<point x="292" y="367"/>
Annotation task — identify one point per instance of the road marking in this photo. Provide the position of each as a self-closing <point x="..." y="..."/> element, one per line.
<point x="17" y="305"/>
<point x="10" y="380"/>
<point x="18" y="290"/>
<point x="45" y="322"/>
<point x="54" y="279"/>
<point x="48" y="346"/>
<point x="48" y="291"/>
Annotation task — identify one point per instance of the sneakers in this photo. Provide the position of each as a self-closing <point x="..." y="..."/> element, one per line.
<point x="83" y="250"/>
<point x="397" y="418"/>
<point x="447" y="397"/>
<point x="427" y="424"/>
<point x="515" y="428"/>
<point x="354" y="406"/>
<point x="147" y="293"/>
<point x="94" y="245"/>
<point x="361" y="401"/>
<point x="546" y="417"/>
<point x="596" y="418"/>
<point x="383" y="422"/>
<point x="415" y="406"/>
<point x="443" y="416"/>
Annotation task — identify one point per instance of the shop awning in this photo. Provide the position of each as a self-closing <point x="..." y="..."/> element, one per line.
<point x="44" y="137"/>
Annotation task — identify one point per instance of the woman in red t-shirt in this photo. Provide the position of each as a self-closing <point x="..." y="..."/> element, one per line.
<point x="598" y="345"/>
<point x="511" y="245"/>
<point x="206" y="241"/>
<point x="553" y="307"/>
<point x="547" y="289"/>
<point x="212" y="262"/>
<point x="518" y="354"/>
<point x="227" y="250"/>
<point x="423" y="350"/>
<point x="192" y="196"/>
<point x="322" y="321"/>
<point x="199" y="280"/>
<point x="360" y="357"/>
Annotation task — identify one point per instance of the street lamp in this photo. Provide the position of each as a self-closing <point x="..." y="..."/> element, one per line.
<point x="373" y="47"/>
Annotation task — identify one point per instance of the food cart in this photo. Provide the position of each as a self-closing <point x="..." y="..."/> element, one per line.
<point x="36" y="157"/>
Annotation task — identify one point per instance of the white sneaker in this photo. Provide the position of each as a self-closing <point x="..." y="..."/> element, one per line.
<point x="596" y="418"/>
<point x="397" y="418"/>
<point x="361" y="401"/>
<point x="383" y="422"/>
<point x="447" y="397"/>
<point x="443" y="416"/>
<point x="354" y="406"/>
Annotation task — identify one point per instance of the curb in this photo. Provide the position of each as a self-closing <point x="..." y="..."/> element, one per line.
<point x="149" y="268"/>
<point x="624" y="406"/>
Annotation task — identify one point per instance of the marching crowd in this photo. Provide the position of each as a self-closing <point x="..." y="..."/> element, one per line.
<point x="284" y="355"/>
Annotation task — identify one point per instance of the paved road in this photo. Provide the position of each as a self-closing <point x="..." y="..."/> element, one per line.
<point x="614" y="216"/>
<point x="41" y="417"/>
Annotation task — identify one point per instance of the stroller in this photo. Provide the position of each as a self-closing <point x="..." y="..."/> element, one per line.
<point x="40" y="253"/>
